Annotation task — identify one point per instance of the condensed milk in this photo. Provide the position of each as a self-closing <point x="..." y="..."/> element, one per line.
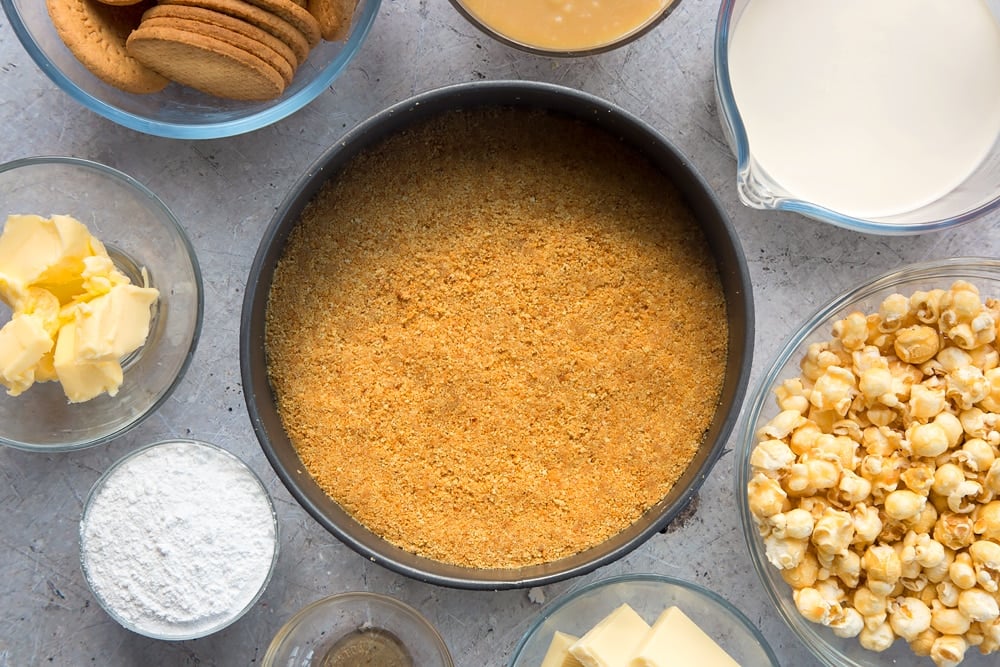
<point x="565" y="25"/>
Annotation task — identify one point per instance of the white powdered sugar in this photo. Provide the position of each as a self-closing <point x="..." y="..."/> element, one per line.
<point x="178" y="540"/>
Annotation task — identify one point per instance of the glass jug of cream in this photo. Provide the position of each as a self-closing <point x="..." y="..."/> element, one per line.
<point x="876" y="115"/>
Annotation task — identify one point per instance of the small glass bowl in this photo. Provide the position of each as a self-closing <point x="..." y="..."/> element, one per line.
<point x="140" y="233"/>
<point x="828" y="648"/>
<point x="545" y="50"/>
<point x="581" y="609"/>
<point x="178" y="112"/>
<point x="194" y="629"/>
<point x="307" y="636"/>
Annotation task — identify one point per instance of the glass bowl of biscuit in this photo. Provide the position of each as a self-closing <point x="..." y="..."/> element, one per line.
<point x="192" y="69"/>
<point x="867" y="468"/>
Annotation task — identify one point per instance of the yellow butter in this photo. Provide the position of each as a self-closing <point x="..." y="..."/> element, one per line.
<point x="83" y="380"/>
<point x="613" y="641"/>
<point x="46" y="253"/>
<point x="113" y="324"/>
<point x="60" y="277"/>
<point x="677" y="640"/>
<point x="23" y="343"/>
<point x="558" y="654"/>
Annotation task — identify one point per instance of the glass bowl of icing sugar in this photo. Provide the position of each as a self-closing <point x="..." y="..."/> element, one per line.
<point x="881" y="117"/>
<point x="178" y="540"/>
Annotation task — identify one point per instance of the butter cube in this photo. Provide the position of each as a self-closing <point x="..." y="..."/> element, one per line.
<point x="677" y="640"/>
<point x="23" y="342"/>
<point x="558" y="654"/>
<point x="613" y="641"/>
<point x="83" y="380"/>
<point x="48" y="253"/>
<point x="114" y="324"/>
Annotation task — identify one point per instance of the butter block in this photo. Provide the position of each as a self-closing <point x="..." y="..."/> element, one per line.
<point x="59" y="279"/>
<point x="558" y="654"/>
<point x="83" y="380"/>
<point x="114" y="324"/>
<point x="46" y="252"/>
<point x="613" y="641"/>
<point x="23" y="343"/>
<point x="677" y="640"/>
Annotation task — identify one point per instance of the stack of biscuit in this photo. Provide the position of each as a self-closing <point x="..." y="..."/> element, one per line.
<point x="236" y="49"/>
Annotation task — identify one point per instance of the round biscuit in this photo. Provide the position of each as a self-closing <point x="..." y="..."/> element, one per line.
<point x="333" y="16"/>
<point x="206" y="64"/>
<point x="265" y="53"/>
<point x="95" y="33"/>
<point x="294" y="14"/>
<point x="228" y="22"/>
<point x="261" y="18"/>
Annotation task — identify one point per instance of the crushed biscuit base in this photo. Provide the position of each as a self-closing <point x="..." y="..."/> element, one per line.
<point x="498" y="338"/>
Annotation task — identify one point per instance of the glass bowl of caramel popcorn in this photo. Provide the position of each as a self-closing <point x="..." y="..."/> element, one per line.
<point x="101" y="303"/>
<point x="869" y="482"/>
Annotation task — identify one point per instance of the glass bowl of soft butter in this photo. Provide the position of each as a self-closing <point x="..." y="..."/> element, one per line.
<point x="646" y="619"/>
<point x="100" y="303"/>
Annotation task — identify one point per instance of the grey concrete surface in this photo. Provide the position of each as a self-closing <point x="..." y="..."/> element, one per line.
<point x="225" y="191"/>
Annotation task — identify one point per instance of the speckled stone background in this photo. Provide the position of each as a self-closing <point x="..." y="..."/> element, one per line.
<point x="225" y="191"/>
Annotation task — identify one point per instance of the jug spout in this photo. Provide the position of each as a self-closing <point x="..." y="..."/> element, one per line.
<point x="755" y="187"/>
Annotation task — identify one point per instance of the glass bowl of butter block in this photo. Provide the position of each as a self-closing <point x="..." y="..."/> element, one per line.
<point x="100" y="303"/>
<point x="637" y="616"/>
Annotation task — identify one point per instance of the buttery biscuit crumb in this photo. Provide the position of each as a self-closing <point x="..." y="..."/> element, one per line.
<point x="497" y="338"/>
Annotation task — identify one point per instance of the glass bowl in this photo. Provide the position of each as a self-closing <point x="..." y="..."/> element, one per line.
<point x="827" y="647"/>
<point x="311" y="635"/>
<point x="977" y="195"/>
<point x="178" y="112"/>
<point x="580" y="609"/>
<point x="140" y="233"/>
<point x="260" y="396"/>
<point x="174" y="541"/>
<point x="505" y="30"/>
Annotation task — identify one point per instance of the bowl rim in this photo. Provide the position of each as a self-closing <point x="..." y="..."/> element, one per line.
<point x="571" y="595"/>
<point x="623" y="40"/>
<point x="807" y="632"/>
<point x="348" y="597"/>
<point x="98" y="486"/>
<point x="735" y="131"/>
<point x="730" y="260"/>
<point x="167" y="215"/>
<point x="277" y="111"/>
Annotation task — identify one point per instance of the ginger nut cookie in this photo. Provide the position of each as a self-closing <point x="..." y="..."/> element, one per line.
<point x="261" y="18"/>
<point x="265" y="53"/>
<point x="334" y="17"/>
<point x="229" y="23"/>
<point x="206" y="64"/>
<point x="96" y="33"/>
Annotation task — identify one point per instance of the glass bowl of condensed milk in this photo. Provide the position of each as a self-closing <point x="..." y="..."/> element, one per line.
<point x="565" y="27"/>
<point x="881" y="117"/>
